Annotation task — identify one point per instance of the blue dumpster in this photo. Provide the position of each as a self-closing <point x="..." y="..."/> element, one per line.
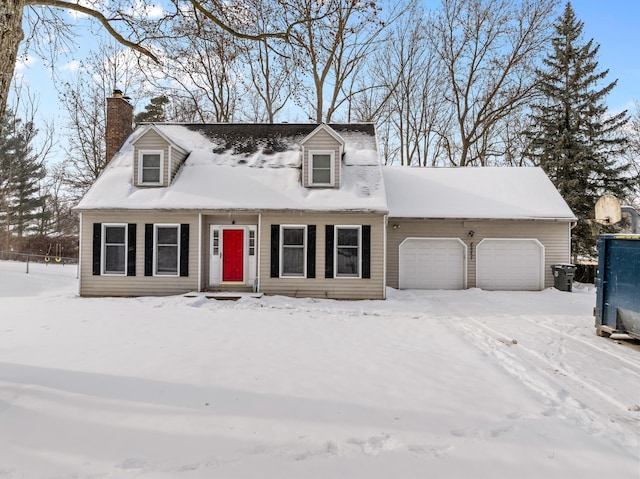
<point x="618" y="285"/>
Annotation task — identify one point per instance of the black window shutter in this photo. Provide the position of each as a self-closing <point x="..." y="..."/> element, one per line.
<point x="311" y="251"/>
<point x="275" y="251"/>
<point x="148" y="249"/>
<point x="97" y="247"/>
<point x="131" y="249"/>
<point x="184" y="250"/>
<point x="366" y="251"/>
<point x="328" y="257"/>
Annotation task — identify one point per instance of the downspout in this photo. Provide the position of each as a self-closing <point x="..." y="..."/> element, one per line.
<point x="79" y="270"/>
<point x="258" y="251"/>
<point x="385" y="225"/>
<point x="200" y="288"/>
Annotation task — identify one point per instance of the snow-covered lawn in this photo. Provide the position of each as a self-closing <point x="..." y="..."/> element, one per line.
<point x="426" y="384"/>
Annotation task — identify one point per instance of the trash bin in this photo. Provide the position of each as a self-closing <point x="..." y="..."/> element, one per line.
<point x="563" y="276"/>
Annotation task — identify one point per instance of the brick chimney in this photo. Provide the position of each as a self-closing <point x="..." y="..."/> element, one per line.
<point x="119" y="122"/>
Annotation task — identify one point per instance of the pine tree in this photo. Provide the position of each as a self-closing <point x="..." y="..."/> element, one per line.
<point x="20" y="174"/>
<point x="153" y="112"/>
<point x="574" y="139"/>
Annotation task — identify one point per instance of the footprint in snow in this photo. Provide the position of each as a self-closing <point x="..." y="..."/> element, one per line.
<point x="133" y="463"/>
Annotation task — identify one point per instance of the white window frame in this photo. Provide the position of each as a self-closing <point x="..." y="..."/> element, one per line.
<point x="216" y="241"/>
<point x="337" y="274"/>
<point x="332" y="172"/>
<point x="251" y="238"/>
<point x="141" y="155"/>
<point x="155" y="249"/>
<point x="103" y="256"/>
<point x="304" y="251"/>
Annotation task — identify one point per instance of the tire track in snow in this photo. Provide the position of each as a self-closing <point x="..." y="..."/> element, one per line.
<point x="633" y="364"/>
<point x="556" y="367"/>
<point x="569" y="395"/>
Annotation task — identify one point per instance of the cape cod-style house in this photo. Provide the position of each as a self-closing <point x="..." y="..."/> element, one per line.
<point x="305" y="210"/>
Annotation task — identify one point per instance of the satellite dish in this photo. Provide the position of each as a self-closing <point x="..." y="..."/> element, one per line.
<point x="608" y="210"/>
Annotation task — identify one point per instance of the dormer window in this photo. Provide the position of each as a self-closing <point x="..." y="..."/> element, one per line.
<point x="151" y="167"/>
<point x="321" y="167"/>
<point x="322" y="151"/>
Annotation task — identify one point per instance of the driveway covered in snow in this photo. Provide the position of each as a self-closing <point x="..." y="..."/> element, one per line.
<point x="425" y="384"/>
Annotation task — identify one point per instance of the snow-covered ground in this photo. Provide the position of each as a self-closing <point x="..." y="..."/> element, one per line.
<point x="426" y="384"/>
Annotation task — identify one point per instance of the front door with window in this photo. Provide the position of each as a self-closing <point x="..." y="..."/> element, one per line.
<point x="232" y="255"/>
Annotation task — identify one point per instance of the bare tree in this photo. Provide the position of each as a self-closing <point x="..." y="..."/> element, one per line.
<point x="413" y="76"/>
<point x="60" y="218"/>
<point x="84" y="100"/>
<point x="488" y="48"/>
<point x="49" y="31"/>
<point x="133" y="24"/>
<point x="273" y="73"/>
<point x="203" y="70"/>
<point x="333" y="48"/>
<point x="633" y="150"/>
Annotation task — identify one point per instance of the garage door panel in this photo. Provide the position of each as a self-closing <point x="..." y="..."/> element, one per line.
<point x="432" y="263"/>
<point x="510" y="264"/>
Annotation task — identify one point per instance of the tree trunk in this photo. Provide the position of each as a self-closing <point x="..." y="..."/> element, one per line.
<point x="11" y="35"/>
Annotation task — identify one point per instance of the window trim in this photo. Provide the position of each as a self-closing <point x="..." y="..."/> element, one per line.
<point x="155" y="249"/>
<point x="251" y="240"/>
<point x="103" y="247"/>
<point x="141" y="155"/>
<point x="332" y="168"/>
<point x="336" y="274"/>
<point x="304" y="251"/>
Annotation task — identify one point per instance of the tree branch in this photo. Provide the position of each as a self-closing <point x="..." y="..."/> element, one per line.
<point x="104" y="21"/>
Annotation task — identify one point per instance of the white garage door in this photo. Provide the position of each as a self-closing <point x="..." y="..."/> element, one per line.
<point x="432" y="263"/>
<point x="510" y="264"/>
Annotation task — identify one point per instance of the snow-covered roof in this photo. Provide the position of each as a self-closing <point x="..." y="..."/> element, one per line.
<point x="482" y="192"/>
<point x="245" y="167"/>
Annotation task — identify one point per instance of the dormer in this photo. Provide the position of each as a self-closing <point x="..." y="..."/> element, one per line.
<point x="156" y="158"/>
<point x="322" y="151"/>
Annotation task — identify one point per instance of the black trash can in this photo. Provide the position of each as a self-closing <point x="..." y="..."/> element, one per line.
<point x="563" y="276"/>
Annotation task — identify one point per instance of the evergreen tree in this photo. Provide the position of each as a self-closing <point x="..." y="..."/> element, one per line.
<point x="574" y="139"/>
<point x="20" y="174"/>
<point x="153" y="112"/>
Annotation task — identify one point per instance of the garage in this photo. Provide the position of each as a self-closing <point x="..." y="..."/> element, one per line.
<point x="432" y="263"/>
<point x="510" y="264"/>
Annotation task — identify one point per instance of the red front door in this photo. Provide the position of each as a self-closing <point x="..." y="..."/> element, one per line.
<point x="232" y="255"/>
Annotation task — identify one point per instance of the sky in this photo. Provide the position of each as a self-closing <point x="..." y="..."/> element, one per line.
<point x="613" y="24"/>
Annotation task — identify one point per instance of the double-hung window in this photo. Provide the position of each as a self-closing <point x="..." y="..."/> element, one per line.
<point x="151" y="167"/>
<point x="167" y="249"/>
<point x="114" y="248"/>
<point x="321" y="168"/>
<point x="348" y="254"/>
<point x="292" y="239"/>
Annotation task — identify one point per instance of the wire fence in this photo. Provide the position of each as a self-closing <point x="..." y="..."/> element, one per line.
<point x="31" y="258"/>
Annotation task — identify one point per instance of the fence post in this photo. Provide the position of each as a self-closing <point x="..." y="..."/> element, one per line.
<point x="28" y="256"/>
